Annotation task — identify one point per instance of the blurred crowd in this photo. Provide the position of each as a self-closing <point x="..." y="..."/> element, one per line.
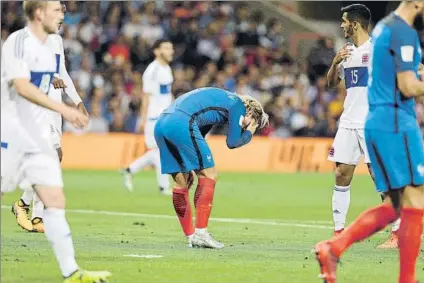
<point x="107" y="47"/>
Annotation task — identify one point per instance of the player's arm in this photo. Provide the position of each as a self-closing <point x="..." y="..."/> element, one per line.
<point x="236" y="136"/>
<point x="18" y="75"/>
<point x="403" y="47"/>
<point x="336" y="73"/>
<point x="29" y="91"/>
<point x="70" y="90"/>
<point x="148" y="89"/>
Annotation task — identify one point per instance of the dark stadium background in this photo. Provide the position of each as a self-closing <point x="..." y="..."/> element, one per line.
<point x="107" y="46"/>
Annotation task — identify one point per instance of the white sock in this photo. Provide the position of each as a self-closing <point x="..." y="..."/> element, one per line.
<point x="395" y="225"/>
<point x="163" y="179"/>
<point x="28" y="194"/>
<point x="341" y="202"/>
<point x="142" y="161"/>
<point x="201" y="230"/>
<point x="37" y="207"/>
<point x="59" y="235"/>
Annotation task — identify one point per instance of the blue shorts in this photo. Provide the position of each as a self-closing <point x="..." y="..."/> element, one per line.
<point x="397" y="159"/>
<point x="181" y="144"/>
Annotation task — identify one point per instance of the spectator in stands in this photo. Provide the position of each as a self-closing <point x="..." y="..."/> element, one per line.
<point x="320" y="58"/>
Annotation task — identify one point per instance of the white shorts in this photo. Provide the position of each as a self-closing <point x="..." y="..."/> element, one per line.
<point x="348" y="147"/>
<point x="21" y="158"/>
<point x="149" y="134"/>
<point x="55" y="137"/>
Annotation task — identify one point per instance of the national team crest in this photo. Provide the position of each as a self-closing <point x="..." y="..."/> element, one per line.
<point x="365" y="58"/>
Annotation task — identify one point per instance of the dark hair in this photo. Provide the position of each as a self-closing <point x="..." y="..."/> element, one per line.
<point x="159" y="42"/>
<point x="358" y="13"/>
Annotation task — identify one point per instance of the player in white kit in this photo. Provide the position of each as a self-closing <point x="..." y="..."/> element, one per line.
<point x="28" y="66"/>
<point x="351" y="65"/>
<point x="157" y="84"/>
<point x="61" y="83"/>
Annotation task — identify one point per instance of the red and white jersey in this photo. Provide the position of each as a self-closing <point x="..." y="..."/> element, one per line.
<point x="25" y="56"/>
<point x="157" y="82"/>
<point x="354" y="70"/>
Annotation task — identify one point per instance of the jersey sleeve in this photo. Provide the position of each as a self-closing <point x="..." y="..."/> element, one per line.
<point x="149" y="81"/>
<point x="403" y="45"/>
<point x="13" y="56"/>
<point x="70" y="89"/>
<point x="236" y="137"/>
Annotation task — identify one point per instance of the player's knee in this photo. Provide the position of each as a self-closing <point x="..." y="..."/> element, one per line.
<point x="51" y="196"/>
<point x="413" y="197"/>
<point x="209" y="173"/>
<point x="343" y="176"/>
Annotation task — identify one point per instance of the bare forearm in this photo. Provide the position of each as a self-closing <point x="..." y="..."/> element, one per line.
<point x="333" y="76"/>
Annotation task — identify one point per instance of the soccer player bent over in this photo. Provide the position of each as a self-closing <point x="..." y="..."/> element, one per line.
<point x="60" y="82"/>
<point x="179" y="134"/>
<point x="28" y="66"/>
<point x="394" y="142"/>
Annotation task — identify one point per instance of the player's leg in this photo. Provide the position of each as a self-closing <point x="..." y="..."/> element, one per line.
<point x="172" y="163"/>
<point x="147" y="159"/>
<point x="385" y="161"/>
<point x="411" y="226"/>
<point x="200" y="159"/>
<point x="346" y="153"/>
<point x="136" y="166"/>
<point x="181" y="202"/>
<point x="44" y="172"/>
<point x="163" y="179"/>
<point x="392" y="241"/>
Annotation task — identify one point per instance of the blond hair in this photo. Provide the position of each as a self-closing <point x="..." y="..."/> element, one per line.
<point x="254" y="108"/>
<point x="30" y="7"/>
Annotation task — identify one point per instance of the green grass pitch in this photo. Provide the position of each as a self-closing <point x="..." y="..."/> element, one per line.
<point x="269" y="223"/>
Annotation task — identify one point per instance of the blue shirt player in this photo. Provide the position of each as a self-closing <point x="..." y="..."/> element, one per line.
<point x="394" y="143"/>
<point x="180" y="133"/>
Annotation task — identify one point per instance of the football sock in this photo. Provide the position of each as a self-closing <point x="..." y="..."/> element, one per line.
<point x="341" y="202"/>
<point x="37" y="207"/>
<point x="182" y="207"/>
<point x="141" y="162"/>
<point x="203" y="199"/>
<point x="59" y="235"/>
<point x="368" y="223"/>
<point x="411" y="228"/>
<point x="28" y="194"/>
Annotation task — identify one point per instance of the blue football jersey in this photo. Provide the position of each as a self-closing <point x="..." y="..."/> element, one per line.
<point x="396" y="48"/>
<point x="214" y="106"/>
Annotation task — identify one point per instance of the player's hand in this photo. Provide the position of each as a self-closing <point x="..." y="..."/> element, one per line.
<point x="341" y="55"/>
<point x="78" y="119"/>
<point x="82" y="109"/>
<point x="252" y="127"/>
<point x="58" y="83"/>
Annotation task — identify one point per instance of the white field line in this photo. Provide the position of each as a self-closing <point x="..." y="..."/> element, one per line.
<point x="269" y="222"/>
